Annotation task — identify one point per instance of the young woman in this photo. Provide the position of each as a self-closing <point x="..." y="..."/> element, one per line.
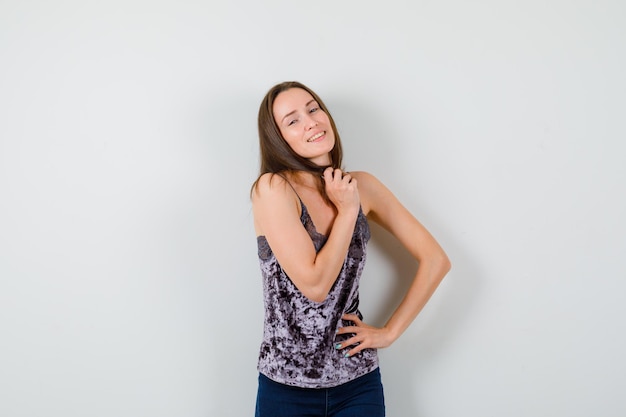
<point x="318" y="358"/>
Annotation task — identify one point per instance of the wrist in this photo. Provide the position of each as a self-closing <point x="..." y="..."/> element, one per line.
<point x="349" y="209"/>
<point x="390" y="335"/>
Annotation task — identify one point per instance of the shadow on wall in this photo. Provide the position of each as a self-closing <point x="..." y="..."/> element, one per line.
<point x="423" y="345"/>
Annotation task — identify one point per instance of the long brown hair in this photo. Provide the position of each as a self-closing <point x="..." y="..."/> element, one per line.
<point x="276" y="156"/>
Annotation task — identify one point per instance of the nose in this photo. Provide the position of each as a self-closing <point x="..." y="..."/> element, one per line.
<point x="311" y="123"/>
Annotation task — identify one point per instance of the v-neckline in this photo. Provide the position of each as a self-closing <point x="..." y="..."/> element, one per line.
<point x="306" y="215"/>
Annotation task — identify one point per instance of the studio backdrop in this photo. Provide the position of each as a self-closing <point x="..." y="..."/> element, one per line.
<point x="129" y="278"/>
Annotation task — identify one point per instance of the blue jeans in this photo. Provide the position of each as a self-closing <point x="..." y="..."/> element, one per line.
<point x="362" y="397"/>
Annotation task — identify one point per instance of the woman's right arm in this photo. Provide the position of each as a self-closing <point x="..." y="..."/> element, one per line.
<point x="276" y="216"/>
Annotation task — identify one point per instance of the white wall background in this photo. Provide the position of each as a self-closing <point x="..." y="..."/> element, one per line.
<point x="129" y="283"/>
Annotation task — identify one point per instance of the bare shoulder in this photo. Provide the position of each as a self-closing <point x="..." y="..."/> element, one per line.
<point x="371" y="190"/>
<point x="273" y="198"/>
<point x="363" y="176"/>
<point x="268" y="183"/>
<point x="273" y="188"/>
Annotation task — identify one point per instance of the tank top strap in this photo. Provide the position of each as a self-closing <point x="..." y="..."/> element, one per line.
<point x="294" y="190"/>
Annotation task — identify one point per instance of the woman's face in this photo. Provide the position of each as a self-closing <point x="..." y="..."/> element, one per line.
<point x="304" y="126"/>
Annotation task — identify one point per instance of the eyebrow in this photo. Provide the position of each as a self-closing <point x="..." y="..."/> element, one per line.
<point x="293" y="111"/>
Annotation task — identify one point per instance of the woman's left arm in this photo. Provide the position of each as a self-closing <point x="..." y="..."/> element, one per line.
<point x="383" y="207"/>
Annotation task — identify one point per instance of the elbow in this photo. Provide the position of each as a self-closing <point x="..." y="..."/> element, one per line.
<point x="441" y="264"/>
<point x="315" y="293"/>
<point x="446" y="265"/>
<point x="312" y="283"/>
<point x="313" y="288"/>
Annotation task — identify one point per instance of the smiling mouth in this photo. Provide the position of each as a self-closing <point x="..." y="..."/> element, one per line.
<point x="316" y="137"/>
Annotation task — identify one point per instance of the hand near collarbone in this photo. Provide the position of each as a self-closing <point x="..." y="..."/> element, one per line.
<point x="342" y="190"/>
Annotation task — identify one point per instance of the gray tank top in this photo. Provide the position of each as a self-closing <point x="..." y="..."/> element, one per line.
<point x="299" y="337"/>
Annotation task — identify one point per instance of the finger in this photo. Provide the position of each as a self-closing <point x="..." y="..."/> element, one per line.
<point x="347" y="330"/>
<point x="351" y="346"/>
<point x="349" y="181"/>
<point x="328" y="174"/>
<point x="350" y="342"/>
<point x="354" y="351"/>
<point x="353" y="318"/>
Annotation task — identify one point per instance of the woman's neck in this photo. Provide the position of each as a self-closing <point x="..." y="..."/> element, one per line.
<point x="304" y="178"/>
